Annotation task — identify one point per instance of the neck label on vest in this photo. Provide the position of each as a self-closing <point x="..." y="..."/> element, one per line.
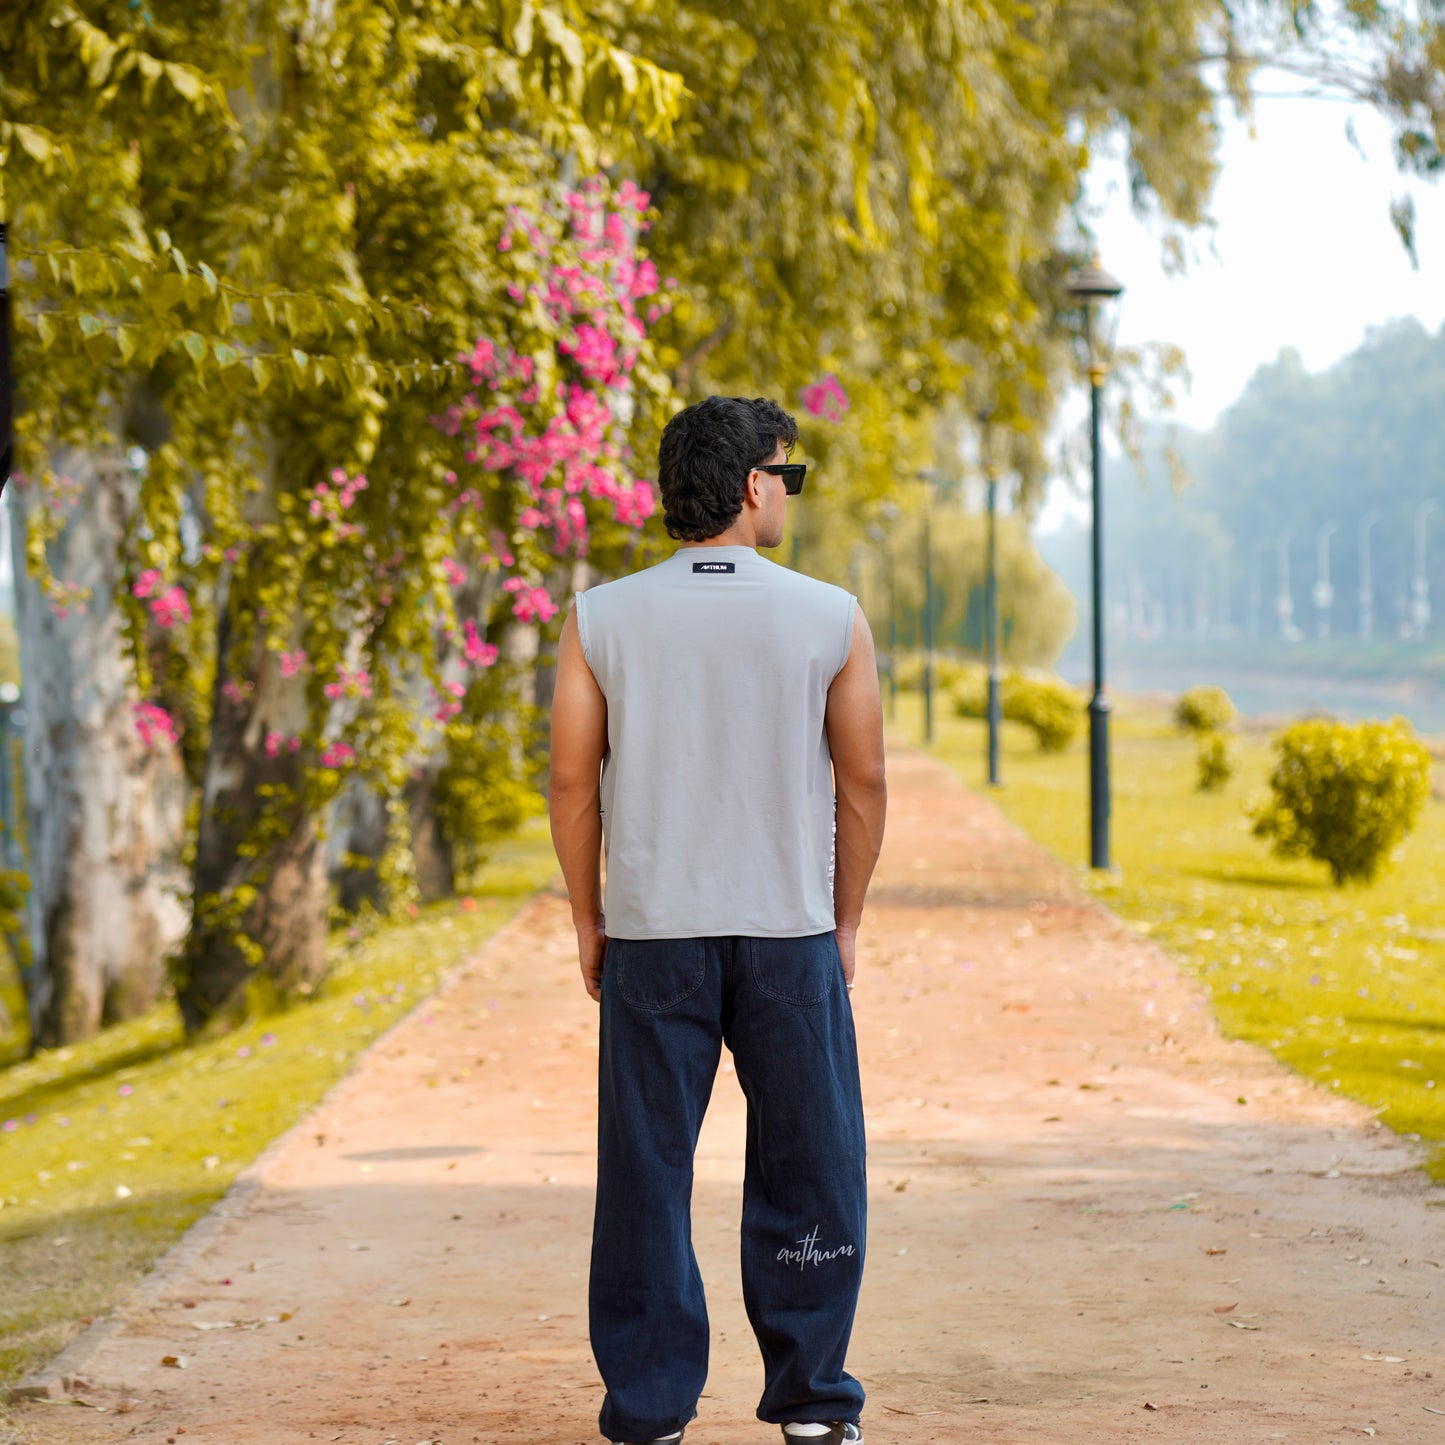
<point x="714" y="566"/>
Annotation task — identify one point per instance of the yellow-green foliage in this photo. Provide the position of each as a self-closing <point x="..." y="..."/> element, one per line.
<point x="9" y="651"/>
<point x="110" y="1148"/>
<point x="970" y="691"/>
<point x="1204" y="710"/>
<point x="482" y="796"/>
<point x="1345" y="794"/>
<point x="1342" y="985"/>
<point x="1216" y="761"/>
<point x="1050" y="708"/>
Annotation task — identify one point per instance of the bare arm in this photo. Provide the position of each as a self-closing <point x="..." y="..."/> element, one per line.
<point x="854" y="724"/>
<point x="579" y="740"/>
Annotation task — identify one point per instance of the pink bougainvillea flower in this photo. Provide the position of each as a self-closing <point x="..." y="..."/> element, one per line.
<point x="632" y="197"/>
<point x="456" y="573"/>
<point x="348" y="682"/>
<point x="644" y="281"/>
<point x="273" y="744"/>
<point x="170" y="607"/>
<point x="534" y="603"/>
<point x="483" y="654"/>
<point x="292" y="662"/>
<point x="145" y="584"/>
<point x="153" y="722"/>
<point x="826" y="398"/>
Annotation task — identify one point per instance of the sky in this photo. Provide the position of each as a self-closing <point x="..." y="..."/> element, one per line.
<point x="1302" y="254"/>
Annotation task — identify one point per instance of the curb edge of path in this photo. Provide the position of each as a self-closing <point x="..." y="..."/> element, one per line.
<point x="61" y="1377"/>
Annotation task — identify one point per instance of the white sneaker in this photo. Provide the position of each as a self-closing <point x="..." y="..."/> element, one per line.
<point x="833" y="1432"/>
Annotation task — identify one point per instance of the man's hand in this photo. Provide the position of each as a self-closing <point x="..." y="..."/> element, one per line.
<point x="591" y="948"/>
<point x="847" y="939"/>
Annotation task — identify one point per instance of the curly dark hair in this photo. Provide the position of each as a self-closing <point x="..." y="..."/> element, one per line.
<point x="707" y="451"/>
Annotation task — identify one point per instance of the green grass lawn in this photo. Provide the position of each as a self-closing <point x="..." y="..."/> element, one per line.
<point x="110" y="1148"/>
<point x="1347" y="986"/>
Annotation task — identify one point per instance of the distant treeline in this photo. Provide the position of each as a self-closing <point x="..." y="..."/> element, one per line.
<point x="1267" y="536"/>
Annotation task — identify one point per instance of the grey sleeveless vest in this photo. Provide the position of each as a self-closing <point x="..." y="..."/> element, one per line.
<point x="717" y="785"/>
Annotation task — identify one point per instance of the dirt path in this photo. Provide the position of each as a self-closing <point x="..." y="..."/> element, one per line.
<point x="1073" y="1177"/>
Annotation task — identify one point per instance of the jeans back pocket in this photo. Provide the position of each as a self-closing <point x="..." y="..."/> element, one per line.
<point x="795" y="970"/>
<point x="656" y="974"/>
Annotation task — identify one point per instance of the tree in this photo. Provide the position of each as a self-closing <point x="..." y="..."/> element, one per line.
<point x="281" y="334"/>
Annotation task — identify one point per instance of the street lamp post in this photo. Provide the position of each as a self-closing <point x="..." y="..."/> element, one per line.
<point x="1256" y="586"/>
<point x="990" y="606"/>
<point x="882" y="538"/>
<point x="1097" y="292"/>
<point x="1420" y="588"/>
<point x="1367" y="584"/>
<point x="1324" y="593"/>
<point x="1284" y="598"/>
<point x="1226" y="546"/>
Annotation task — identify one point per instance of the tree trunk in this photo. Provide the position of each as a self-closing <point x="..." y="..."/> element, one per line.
<point x="105" y="813"/>
<point x="358" y="827"/>
<point x="431" y="852"/>
<point x="283" y="911"/>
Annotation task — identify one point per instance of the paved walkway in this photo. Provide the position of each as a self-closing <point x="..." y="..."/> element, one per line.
<point x="1092" y="1218"/>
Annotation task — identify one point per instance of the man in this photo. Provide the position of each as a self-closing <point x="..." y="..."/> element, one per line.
<point x="724" y="699"/>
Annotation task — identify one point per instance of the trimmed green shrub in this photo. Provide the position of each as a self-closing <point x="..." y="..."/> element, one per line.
<point x="1344" y="794"/>
<point x="970" y="692"/>
<point x="1050" y="707"/>
<point x="1204" y="710"/>
<point x="908" y="671"/>
<point x="1217" y="761"/>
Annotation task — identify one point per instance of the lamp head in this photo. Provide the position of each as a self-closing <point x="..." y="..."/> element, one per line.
<point x="1097" y="292"/>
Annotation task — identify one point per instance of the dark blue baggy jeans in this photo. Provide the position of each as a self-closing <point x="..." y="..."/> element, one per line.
<point x="780" y="1005"/>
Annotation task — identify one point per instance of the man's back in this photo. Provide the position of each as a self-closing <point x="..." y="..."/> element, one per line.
<point x="717" y="790"/>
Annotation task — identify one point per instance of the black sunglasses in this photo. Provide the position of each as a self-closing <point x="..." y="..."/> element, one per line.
<point x="792" y="474"/>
